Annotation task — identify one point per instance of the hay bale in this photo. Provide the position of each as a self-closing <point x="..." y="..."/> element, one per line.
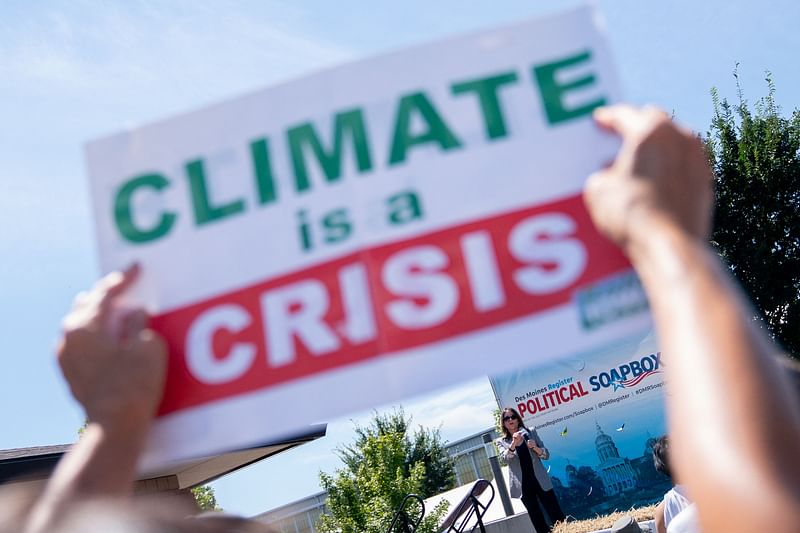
<point x="604" y="522"/>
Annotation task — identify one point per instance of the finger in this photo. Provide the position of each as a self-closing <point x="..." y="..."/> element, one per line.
<point x="627" y="120"/>
<point x="594" y="183"/>
<point x="115" y="284"/>
<point x="113" y="279"/>
<point x="106" y="282"/>
<point x="133" y="323"/>
<point x="151" y="345"/>
<point x="77" y="318"/>
<point x="611" y="117"/>
<point x="82" y="305"/>
<point x="80" y="299"/>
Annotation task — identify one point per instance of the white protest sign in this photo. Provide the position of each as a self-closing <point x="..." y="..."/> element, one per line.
<point x="368" y="232"/>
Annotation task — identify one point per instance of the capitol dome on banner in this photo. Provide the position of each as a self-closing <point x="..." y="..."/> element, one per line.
<point x="617" y="474"/>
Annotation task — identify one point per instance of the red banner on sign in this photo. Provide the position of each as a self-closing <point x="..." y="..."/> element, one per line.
<point x="383" y="300"/>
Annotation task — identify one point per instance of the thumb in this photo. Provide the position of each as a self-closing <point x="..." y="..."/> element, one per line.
<point x="151" y="348"/>
<point x="150" y="342"/>
<point x="132" y="324"/>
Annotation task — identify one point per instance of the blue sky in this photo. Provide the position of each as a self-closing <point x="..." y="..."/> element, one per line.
<point x="76" y="70"/>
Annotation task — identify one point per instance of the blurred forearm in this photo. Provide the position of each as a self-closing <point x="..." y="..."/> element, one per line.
<point x="102" y="464"/>
<point x="730" y="407"/>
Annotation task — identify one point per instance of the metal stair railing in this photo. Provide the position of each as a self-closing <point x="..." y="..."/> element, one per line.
<point x="401" y="518"/>
<point x="468" y="508"/>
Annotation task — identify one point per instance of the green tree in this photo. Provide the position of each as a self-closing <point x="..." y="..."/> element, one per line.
<point x="384" y="464"/>
<point x="756" y="160"/>
<point x="205" y="498"/>
<point x="498" y="427"/>
<point x="424" y="445"/>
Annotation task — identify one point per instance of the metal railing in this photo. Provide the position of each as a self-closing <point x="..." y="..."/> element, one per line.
<point x="469" y="508"/>
<point x="402" y="521"/>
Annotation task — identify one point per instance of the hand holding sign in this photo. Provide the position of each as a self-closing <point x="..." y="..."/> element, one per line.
<point x="115" y="367"/>
<point x="661" y="175"/>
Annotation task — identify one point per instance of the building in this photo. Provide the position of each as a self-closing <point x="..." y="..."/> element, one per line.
<point x="297" y="517"/>
<point x="469" y="457"/>
<point x="23" y="466"/>
<point x="469" y="460"/>
<point x="616" y="473"/>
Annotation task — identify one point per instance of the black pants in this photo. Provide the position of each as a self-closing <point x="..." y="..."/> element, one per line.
<point x="532" y="495"/>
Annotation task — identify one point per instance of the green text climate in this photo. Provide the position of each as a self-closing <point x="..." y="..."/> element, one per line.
<point x="350" y="135"/>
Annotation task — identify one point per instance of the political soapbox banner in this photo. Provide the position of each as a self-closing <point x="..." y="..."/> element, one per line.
<point x="598" y="413"/>
<point x="369" y="232"/>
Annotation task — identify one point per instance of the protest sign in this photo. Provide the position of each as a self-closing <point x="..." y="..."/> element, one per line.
<point x="369" y="232"/>
<point x="598" y="413"/>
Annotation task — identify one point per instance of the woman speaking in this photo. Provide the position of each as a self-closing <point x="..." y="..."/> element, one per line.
<point x="523" y="450"/>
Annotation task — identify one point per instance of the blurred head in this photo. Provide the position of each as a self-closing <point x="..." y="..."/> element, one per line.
<point x="661" y="456"/>
<point x="511" y="421"/>
<point x="146" y="514"/>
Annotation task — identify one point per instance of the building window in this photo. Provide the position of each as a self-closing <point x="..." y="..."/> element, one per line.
<point x="484" y="468"/>
<point x="465" y="471"/>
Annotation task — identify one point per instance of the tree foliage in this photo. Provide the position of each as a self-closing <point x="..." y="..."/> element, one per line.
<point x="384" y="464"/>
<point x="754" y="154"/>
<point x="205" y="498"/>
<point x="424" y="445"/>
